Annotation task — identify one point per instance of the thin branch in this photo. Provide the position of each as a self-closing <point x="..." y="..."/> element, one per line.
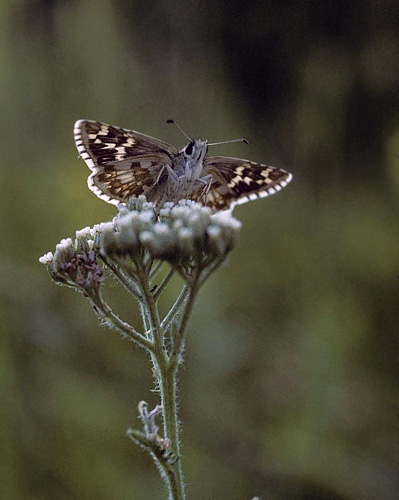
<point x="152" y="310"/>
<point x="126" y="330"/>
<point x="156" y="269"/>
<point x="179" y="335"/>
<point x="163" y="284"/>
<point x="130" y="277"/>
<point x="210" y="269"/>
<point x="164" y="461"/>
<point x="148" y="260"/>
<point x="125" y="280"/>
<point x="175" y="309"/>
<point x="183" y="273"/>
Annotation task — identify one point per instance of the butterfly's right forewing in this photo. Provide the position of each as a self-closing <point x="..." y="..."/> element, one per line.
<point x="237" y="181"/>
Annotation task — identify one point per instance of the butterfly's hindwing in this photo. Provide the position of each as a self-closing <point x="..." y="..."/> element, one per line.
<point x="122" y="184"/>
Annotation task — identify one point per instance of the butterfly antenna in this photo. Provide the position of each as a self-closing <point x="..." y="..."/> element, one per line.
<point x="179" y="127"/>
<point x="227" y="142"/>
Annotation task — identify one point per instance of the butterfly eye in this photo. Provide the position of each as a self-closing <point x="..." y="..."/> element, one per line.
<point x="189" y="149"/>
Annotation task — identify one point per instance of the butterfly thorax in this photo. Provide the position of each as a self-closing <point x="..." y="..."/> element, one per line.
<point x="190" y="169"/>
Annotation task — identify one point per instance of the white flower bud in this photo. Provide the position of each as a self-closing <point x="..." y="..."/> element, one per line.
<point x="84" y="233"/>
<point x="216" y="243"/>
<point x="186" y="241"/>
<point x="46" y="258"/>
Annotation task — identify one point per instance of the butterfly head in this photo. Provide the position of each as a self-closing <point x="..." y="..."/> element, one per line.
<point x="196" y="150"/>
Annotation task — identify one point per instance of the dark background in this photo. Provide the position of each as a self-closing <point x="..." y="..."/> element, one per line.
<point x="290" y="386"/>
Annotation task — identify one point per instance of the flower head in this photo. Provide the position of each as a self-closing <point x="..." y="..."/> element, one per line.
<point x="185" y="235"/>
<point x="175" y="233"/>
<point x="75" y="261"/>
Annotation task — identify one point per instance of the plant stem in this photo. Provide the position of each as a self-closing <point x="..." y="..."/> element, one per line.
<point x="126" y="281"/>
<point x="175" y="309"/>
<point x="150" y="305"/>
<point x="178" y="343"/>
<point x="167" y="379"/>
<point x="168" y="385"/>
<point x="163" y="284"/>
<point x="126" y="330"/>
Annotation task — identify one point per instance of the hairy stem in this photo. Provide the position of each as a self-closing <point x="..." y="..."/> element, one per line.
<point x="150" y="305"/>
<point x="126" y="281"/>
<point x="178" y="343"/>
<point x="168" y="384"/>
<point x="163" y="284"/>
<point x="175" y="309"/>
<point x="126" y="330"/>
<point x="166" y="375"/>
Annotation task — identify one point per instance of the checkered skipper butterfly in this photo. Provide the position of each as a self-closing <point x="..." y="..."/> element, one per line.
<point x="126" y="163"/>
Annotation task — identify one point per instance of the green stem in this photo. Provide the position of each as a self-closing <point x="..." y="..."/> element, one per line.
<point x="165" y="466"/>
<point x="168" y="385"/>
<point x="126" y="281"/>
<point x="175" y="309"/>
<point x="209" y="269"/>
<point x="126" y="330"/>
<point x="168" y="370"/>
<point x="166" y="367"/>
<point x="178" y="343"/>
<point x="163" y="284"/>
<point x="150" y="304"/>
<point x="167" y="379"/>
<point x="154" y="270"/>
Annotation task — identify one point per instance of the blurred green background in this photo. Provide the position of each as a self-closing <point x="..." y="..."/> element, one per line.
<point x="290" y="386"/>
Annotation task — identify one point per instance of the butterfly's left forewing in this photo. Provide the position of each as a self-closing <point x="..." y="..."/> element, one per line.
<point x="124" y="162"/>
<point x="100" y="144"/>
<point x="237" y="181"/>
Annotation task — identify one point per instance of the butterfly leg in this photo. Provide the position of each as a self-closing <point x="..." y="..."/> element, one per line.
<point x="172" y="173"/>
<point x="172" y="185"/>
<point x="159" y="175"/>
<point x="207" y="180"/>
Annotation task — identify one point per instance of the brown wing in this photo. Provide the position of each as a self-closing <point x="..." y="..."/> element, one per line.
<point x="117" y="183"/>
<point x="100" y="144"/>
<point x="237" y="181"/>
<point x="124" y="162"/>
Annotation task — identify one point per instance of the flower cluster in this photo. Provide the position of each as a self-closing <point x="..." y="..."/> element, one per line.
<point x="75" y="263"/>
<point x="179" y="232"/>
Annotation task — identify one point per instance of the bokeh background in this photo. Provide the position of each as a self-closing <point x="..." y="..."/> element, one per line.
<point x="290" y="386"/>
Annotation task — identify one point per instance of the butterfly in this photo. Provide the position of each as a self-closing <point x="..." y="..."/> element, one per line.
<point x="126" y="164"/>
